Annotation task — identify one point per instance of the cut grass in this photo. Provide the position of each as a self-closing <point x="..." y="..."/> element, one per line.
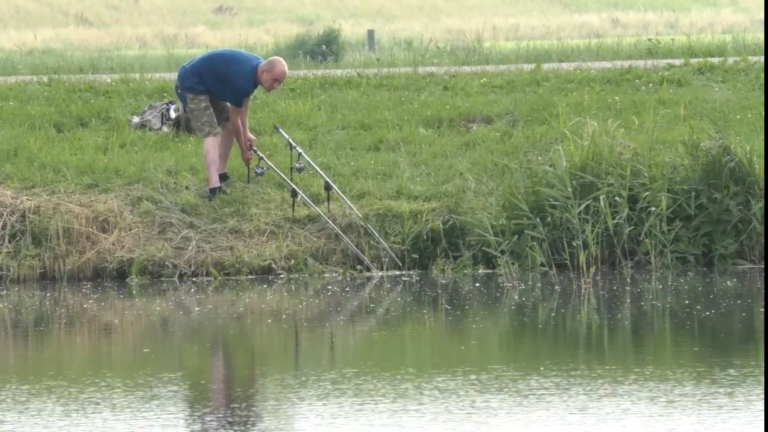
<point x="578" y="169"/>
<point x="397" y="53"/>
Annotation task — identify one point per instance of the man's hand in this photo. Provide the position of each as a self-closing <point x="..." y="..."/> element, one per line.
<point x="247" y="156"/>
<point x="250" y="140"/>
<point x="250" y="145"/>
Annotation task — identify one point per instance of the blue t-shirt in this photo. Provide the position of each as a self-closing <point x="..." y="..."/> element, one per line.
<point x="226" y="74"/>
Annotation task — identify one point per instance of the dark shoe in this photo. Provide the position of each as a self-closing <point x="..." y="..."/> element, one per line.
<point x="213" y="192"/>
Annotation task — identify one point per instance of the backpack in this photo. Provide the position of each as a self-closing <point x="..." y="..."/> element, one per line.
<point x="161" y="117"/>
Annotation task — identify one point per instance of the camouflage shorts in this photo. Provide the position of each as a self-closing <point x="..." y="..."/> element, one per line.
<point x="207" y="114"/>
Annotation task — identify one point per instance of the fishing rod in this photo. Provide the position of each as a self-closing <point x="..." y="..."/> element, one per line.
<point x="328" y="186"/>
<point x="260" y="170"/>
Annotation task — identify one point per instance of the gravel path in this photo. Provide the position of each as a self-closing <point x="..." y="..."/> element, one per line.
<point x="405" y="70"/>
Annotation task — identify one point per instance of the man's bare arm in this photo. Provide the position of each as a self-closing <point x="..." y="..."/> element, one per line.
<point x="235" y="116"/>
<point x="244" y="116"/>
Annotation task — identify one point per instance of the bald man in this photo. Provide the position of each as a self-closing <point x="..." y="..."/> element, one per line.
<point x="215" y="90"/>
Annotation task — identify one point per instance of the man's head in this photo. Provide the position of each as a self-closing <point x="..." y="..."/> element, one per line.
<point x="272" y="73"/>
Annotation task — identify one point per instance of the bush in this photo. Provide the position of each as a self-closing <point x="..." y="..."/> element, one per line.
<point x="324" y="47"/>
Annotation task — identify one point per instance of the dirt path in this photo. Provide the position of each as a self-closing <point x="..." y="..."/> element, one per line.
<point x="406" y="70"/>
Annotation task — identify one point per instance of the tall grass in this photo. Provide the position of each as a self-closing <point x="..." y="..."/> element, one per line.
<point x="589" y="206"/>
<point x="90" y="24"/>
<point x="332" y="48"/>
<point x="627" y="168"/>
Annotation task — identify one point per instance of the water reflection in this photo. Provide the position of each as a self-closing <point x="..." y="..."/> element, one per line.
<point x="232" y="391"/>
<point x="385" y="354"/>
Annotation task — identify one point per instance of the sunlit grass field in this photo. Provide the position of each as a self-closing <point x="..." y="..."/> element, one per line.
<point x="132" y="24"/>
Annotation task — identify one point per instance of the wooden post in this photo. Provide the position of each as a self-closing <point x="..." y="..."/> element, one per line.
<point x="371" y="40"/>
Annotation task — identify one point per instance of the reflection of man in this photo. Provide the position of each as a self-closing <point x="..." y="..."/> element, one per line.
<point x="215" y="89"/>
<point x="221" y="385"/>
<point x="229" y="408"/>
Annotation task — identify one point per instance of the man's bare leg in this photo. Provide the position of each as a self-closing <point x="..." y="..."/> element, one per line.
<point x="225" y="148"/>
<point x="211" y="154"/>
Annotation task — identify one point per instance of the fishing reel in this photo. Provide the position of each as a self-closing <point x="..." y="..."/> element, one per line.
<point x="299" y="166"/>
<point x="258" y="170"/>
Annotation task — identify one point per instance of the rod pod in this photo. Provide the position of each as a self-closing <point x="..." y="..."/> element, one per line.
<point x="329" y="186"/>
<point x="298" y="192"/>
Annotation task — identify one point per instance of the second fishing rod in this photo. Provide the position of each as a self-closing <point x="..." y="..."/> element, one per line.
<point x="260" y="170"/>
<point x="328" y="187"/>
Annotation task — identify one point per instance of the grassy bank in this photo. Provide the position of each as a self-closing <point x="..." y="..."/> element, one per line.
<point x="89" y="24"/>
<point x="546" y="169"/>
<point x="393" y="53"/>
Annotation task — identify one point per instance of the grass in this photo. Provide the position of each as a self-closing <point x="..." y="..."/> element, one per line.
<point x="397" y="53"/>
<point x="583" y="170"/>
<point x="91" y="24"/>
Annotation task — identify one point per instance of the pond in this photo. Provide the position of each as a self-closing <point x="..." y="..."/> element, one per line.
<point x="672" y="352"/>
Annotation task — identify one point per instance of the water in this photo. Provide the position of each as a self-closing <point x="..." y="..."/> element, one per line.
<point x="406" y="353"/>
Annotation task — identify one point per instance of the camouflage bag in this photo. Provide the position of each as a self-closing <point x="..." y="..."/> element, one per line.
<point x="155" y="117"/>
<point x="162" y="117"/>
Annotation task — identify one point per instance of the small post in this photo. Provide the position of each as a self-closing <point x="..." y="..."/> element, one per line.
<point x="371" y="41"/>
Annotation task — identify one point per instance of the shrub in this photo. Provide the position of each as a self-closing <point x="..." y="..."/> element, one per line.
<point x="324" y="47"/>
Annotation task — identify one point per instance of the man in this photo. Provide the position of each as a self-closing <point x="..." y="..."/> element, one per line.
<point x="215" y="90"/>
